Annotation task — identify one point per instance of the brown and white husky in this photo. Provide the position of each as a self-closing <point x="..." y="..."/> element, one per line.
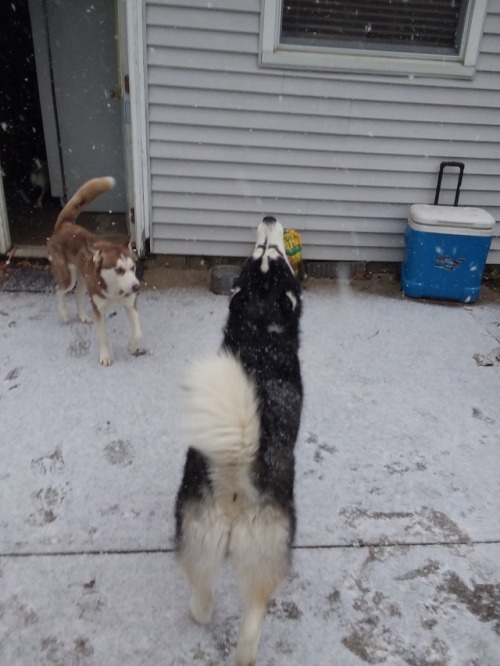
<point x="105" y="270"/>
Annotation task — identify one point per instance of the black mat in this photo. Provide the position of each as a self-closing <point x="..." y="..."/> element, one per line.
<point x="25" y="278"/>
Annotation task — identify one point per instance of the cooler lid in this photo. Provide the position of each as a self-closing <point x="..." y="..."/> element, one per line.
<point x="461" y="217"/>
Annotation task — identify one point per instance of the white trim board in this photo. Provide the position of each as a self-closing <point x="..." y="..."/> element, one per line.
<point x="136" y="39"/>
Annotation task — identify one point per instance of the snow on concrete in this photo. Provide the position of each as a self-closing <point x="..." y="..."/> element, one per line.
<point x="397" y="557"/>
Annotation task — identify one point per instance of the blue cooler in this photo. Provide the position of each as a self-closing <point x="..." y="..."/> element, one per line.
<point x="446" y="249"/>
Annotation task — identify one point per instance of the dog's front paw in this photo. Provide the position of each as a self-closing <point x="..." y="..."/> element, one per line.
<point x="85" y="319"/>
<point x="105" y="359"/>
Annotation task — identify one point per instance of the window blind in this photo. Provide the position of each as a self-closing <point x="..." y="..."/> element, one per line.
<point x="410" y="24"/>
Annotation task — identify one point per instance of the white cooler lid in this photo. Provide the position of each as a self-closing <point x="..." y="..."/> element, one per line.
<point x="451" y="217"/>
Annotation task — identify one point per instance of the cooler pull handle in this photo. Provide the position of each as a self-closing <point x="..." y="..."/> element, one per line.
<point x="442" y="166"/>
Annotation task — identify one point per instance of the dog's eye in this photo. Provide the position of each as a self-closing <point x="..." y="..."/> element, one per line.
<point x="120" y="271"/>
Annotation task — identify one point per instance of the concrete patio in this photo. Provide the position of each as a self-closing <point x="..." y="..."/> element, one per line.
<point x="397" y="556"/>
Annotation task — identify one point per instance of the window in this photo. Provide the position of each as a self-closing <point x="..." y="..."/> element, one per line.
<point x="419" y="37"/>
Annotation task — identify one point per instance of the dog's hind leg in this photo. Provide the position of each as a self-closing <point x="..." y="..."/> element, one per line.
<point x="260" y="552"/>
<point x="202" y="551"/>
<point x="80" y="292"/>
<point x="256" y="602"/>
<point x="65" y="277"/>
<point x="61" y="304"/>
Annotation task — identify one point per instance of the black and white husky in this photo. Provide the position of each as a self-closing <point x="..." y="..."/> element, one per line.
<point x="243" y="414"/>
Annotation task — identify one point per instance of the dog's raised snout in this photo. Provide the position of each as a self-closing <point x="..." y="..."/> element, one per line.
<point x="269" y="219"/>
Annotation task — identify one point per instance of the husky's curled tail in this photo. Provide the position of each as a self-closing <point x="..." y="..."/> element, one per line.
<point x="87" y="193"/>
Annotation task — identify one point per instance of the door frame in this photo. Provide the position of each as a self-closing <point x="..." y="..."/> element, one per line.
<point x="132" y="38"/>
<point x="131" y="21"/>
<point x="5" y="242"/>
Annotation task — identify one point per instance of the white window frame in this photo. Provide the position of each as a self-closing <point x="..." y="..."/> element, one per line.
<point x="336" y="59"/>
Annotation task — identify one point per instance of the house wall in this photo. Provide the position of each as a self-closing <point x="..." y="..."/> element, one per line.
<point x="339" y="157"/>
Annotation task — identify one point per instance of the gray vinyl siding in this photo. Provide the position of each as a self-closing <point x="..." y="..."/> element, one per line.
<point x="338" y="157"/>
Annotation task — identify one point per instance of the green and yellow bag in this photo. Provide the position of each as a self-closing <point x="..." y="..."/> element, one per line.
<point x="293" y="248"/>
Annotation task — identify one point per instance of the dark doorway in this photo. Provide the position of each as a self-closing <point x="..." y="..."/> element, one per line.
<point x="30" y="206"/>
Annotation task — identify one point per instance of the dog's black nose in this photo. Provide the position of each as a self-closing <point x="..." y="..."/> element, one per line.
<point x="269" y="219"/>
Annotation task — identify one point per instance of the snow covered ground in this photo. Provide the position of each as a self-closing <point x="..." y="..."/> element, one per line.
<point x="397" y="556"/>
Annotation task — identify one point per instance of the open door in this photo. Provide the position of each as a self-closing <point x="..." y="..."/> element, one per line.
<point x="82" y="43"/>
<point x="66" y="117"/>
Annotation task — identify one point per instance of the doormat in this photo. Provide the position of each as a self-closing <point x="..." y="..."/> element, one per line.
<point x="27" y="278"/>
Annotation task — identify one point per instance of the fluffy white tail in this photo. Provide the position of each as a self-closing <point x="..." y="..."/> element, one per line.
<point x="222" y="420"/>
